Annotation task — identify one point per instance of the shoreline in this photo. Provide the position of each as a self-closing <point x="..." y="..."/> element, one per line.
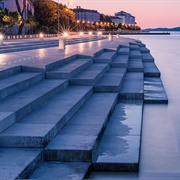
<point x="139" y="33"/>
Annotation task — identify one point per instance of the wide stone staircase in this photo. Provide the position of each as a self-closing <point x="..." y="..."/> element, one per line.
<point x="81" y="114"/>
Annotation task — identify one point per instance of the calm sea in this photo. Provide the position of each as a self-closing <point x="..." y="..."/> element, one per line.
<point x="160" y="151"/>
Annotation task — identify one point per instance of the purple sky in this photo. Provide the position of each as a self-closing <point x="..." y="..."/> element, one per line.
<point x="148" y="13"/>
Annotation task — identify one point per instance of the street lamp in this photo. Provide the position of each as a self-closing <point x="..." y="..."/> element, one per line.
<point x="65" y="34"/>
<point x="41" y="36"/>
<point x="90" y="33"/>
<point x="81" y="34"/>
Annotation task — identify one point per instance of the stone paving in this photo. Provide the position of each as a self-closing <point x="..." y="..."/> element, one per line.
<point x="80" y="109"/>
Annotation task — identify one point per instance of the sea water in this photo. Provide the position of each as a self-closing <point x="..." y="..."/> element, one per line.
<point x="160" y="146"/>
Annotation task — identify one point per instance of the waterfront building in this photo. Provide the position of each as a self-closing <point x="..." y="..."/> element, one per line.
<point x="116" y="20"/>
<point x="127" y="18"/>
<point x="86" y="14"/>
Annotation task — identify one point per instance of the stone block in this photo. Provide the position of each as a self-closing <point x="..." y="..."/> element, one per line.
<point x="62" y="170"/>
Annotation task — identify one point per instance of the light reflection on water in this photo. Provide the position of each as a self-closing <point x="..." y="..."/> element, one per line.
<point x="160" y="151"/>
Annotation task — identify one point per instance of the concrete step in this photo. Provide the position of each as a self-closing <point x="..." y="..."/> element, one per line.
<point x="15" y="107"/>
<point x="9" y="72"/>
<point x="140" y="44"/>
<point x="154" y="91"/>
<point x="6" y="120"/>
<point x="18" y="163"/>
<point x="135" y="54"/>
<point x="69" y="70"/>
<point x="133" y="86"/>
<point x="78" y="140"/>
<point x="104" y="56"/>
<point x="120" y="61"/>
<point x="91" y="75"/>
<point x="119" y="148"/>
<point x="62" y="170"/>
<point x="144" y="50"/>
<point x="147" y="57"/>
<point x="123" y="51"/>
<point x="151" y="70"/>
<point x="111" y="80"/>
<point x="18" y="82"/>
<point x="134" y="47"/>
<point x="40" y="127"/>
<point x="135" y="65"/>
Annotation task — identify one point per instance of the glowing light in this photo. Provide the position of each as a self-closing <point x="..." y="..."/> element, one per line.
<point x="41" y="35"/>
<point x="83" y="22"/>
<point x="81" y="33"/>
<point x="65" y="34"/>
<point x="90" y="33"/>
<point x="78" y="21"/>
<point x="88" y="22"/>
<point x="99" y="33"/>
<point x="1" y="37"/>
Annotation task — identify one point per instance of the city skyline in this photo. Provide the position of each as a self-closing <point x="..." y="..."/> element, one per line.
<point x="148" y="13"/>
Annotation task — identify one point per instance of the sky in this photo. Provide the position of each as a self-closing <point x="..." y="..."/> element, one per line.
<point x="148" y="13"/>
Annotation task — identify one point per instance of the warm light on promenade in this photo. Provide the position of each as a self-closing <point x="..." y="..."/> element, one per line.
<point x="41" y="36"/>
<point x="99" y="33"/>
<point x="81" y="33"/>
<point x="90" y="33"/>
<point x="1" y="36"/>
<point x="65" y="34"/>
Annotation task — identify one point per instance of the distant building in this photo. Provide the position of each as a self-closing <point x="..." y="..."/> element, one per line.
<point x="11" y="6"/>
<point x="86" y="14"/>
<point x="116" y="20"/>
<point x="127" y="18"/>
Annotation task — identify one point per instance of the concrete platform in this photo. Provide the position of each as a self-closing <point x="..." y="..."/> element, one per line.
<point x="120" y="61"/>
<point x="151" y="70"/>
<point x="123" y="51"/>
<point x="91" y="75"/>
<point x="22" y="103"/>
<point x="133" y="86"/>
<point x="111" y="80"/>
<point x="140" y="44"/>
<point x="19" y="163"/>
<point x="77" y="142"/>
<point x="10" y="71"/>
<point x="154" y="91"/>
<point x="6" y="119"/>
<point x="104" y="56"/>
<point x="144" y="50"/>
<point x="147" y="57"/>
<point x="135" y="54"/>
<point x="135" y="65"/>
<point x="134" y="47"/>
<point x="62" y="170"/>
<point x="120" y="145"/>
<point x="69" y="70"/>
<point x="18" y="82"/>
<point x="40" y="127"/>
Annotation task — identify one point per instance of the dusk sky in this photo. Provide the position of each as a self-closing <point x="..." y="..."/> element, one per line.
<point x="148" y="13"/>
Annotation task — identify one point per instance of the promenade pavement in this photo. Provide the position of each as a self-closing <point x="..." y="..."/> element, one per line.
<point x="40" y="57"/>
